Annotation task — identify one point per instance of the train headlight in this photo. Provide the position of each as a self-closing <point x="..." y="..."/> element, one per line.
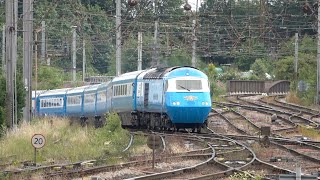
<point x="174" y="103"/>
<point x="205" y="103"/>
<point x="178" y="103"/>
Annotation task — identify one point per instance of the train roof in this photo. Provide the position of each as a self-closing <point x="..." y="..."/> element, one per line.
<point x="158" y="73"/>
<point x="55" y="92"/>
<point x="185" y="71"/>
<point x="171" y="72"/>
<point x="92" y="88"/>
<point x="77" y="90"/>
<point x="33" y="94"/>
<point x="64" y="91"/>
<point x="103" y="85"/>
<point x="130" y="75"/>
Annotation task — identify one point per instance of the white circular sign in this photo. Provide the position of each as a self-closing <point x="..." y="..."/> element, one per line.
<point x="38" y="141"/>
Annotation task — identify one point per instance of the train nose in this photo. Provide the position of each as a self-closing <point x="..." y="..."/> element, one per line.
<point x="191" y="114"/>
<point x="188" y="108"/>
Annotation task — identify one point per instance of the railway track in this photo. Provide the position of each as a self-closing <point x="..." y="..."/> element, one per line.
<point x="231" y="144"/>
<point x="257" y="117"/>
<point x="295" y="115"/>
<point x="285" y="153"/>
<point x="314" y="114"/>
<point x="287" y="118"/>
<point x="301" y="110"/>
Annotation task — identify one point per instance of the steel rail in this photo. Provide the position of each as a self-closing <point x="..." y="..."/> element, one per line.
<point x="129" y="144"/>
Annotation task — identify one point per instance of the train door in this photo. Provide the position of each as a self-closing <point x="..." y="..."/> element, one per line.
<point x="109" y="97"/>
<point x="146" y="95"/>
<point x="139" y="96"/>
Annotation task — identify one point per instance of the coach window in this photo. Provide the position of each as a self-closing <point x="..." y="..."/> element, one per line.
<point x="122" y="90"/>
<point x="125" y="90"/>
<point x="115" y="88"/>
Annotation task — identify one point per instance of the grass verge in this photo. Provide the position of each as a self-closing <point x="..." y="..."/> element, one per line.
<point x="65" y="143"/>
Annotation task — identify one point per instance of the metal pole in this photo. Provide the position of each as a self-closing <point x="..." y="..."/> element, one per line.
<point x="118" y="37"/>
<point x="168" y="48"/>
<point x="43" y="41"/>
<point x="194" y="43"/>
<point x="318" y="58"/>
<point x="27" y="56"/>
<point x="296" y="57"/>
<point x="36" y="62"/>
<point x="139" y="51"/>
<point x="31" y="58"/>
<point x="9" y="61"/>
<point x="35" y="157"/>
<point x="83" y="60"/>
<point x="74" y="53"/>
<point x="14" y="60"/>
<point x="156" y="24"/>
<point x="3" y="50"/>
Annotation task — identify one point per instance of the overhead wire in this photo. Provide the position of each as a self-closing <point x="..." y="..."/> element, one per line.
<point x="230" y="27"/>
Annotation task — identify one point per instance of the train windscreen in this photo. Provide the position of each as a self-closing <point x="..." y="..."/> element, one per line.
<point x="188" y="85"/>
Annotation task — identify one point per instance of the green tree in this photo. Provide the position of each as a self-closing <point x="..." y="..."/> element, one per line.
<point x="260" y="67"/>
<point x="20" y="98"/>
<point x="50" y="78"/>
<point x="93" y="24"/>
<point x="306" y="72"/>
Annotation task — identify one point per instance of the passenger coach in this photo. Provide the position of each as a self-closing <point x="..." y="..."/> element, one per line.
<point x="156" y="98"/>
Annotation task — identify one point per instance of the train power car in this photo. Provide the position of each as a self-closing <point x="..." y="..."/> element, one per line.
<point x="163" y="98"/>
<point x="156" y="98"/>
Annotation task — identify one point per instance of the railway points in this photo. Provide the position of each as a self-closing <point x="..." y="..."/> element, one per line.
<point x="231" y="144"/>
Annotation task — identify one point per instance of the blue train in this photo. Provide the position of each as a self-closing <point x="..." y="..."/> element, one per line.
<point x="163" y="98"/>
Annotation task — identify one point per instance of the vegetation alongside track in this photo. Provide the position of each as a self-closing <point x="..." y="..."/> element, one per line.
<point x="309" y="132"/>
<point x="65" y="143"/>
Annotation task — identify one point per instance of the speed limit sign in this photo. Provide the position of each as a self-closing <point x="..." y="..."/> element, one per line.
<point x="38" y="141"/>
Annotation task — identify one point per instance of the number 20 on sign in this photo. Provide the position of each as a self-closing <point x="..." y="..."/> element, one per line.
<point x="38" y="141"/>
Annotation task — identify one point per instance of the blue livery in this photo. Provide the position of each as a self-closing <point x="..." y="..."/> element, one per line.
<point x="163" y="98"/>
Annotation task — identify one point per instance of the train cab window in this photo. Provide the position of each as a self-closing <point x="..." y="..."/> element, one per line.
<point x="188" y="85"/>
